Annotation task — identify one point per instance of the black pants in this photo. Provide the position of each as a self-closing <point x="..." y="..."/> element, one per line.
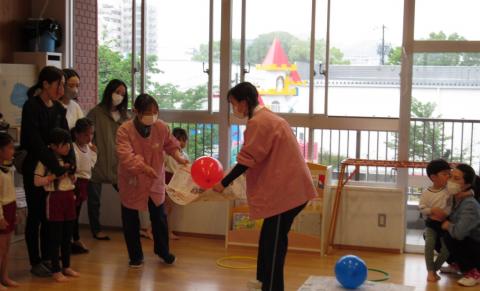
<point x="466" y="252"/>
<point x="76" y="226"/>
<point x="36" y="227"/>
<point x="131" y="231"/>
<point x="60" y="233"/>
<point x="93" y="202"/>
<point x="272" y="249"/>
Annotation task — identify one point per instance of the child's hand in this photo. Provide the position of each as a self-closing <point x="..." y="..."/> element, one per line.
<point x="182" y="161"/>
<point x="179" y="158"/>
<point x="3" y="224"/>
<point x="218" y="187"/>
<point x="92" y="147"/>
<point x="51" y="178"/>
<point x="150" y="172"/>
<point x="438" y="214"/>
<point x="73" y="178"/>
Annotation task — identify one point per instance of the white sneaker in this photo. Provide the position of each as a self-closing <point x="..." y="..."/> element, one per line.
<point x="254" y="285"/>
<point x="468" y="281"/>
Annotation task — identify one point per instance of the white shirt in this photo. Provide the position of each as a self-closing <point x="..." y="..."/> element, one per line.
<point x="86" y="159"/>
<point x="59" y="184"/>
<point x="74" y="113"/>
<point x="171" y="164"/>
<point x="7" y="189"/>
<point x="435" y="198"/>
<point x="115" y="115"/>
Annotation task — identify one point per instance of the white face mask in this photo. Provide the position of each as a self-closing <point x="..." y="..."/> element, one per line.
<point x="71" y="93"/>
<point x="236" y="113"/>
<point x="149" y="119"/>
<point x="116" y="99"/>
<point x="453" y="188"/>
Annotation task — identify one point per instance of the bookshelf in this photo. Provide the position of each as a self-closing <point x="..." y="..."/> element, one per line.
<point x="308" y="231"/>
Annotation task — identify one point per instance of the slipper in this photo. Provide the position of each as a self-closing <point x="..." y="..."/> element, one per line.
<point x="101" y="237"/>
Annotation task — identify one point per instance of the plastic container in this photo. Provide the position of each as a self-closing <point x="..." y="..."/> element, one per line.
<point x="43" y="35"/>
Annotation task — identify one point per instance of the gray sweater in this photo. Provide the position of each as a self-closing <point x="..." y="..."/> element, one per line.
<point x="105" y="170"/>
<point x="465" y="220"/>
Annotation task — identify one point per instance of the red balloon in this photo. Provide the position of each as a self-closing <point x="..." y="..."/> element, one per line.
<point x="206" y="172"/>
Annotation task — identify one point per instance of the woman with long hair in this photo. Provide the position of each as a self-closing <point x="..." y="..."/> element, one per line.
<point x="107" y="117"/>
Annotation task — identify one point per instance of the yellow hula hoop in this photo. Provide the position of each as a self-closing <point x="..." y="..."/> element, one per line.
<point x="220" y="262"/>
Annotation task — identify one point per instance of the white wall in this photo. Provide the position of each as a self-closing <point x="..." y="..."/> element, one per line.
<point x="357" y="223"/>
<point x="198" y="217"/>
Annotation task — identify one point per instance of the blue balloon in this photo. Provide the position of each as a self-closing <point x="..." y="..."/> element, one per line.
<point x="351" y="271"/>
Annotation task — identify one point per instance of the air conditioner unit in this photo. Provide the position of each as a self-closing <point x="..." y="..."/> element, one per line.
<point x="40" y="59"/>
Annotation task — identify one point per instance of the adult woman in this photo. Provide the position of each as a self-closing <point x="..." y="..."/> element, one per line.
<point x="270" y="153"/>
<point x="40" y="114"/>
<point x="107" y="117"/>
<point x="463" y="225"/>
<point x="142" y="144"/>
<point x="72" y="82"/>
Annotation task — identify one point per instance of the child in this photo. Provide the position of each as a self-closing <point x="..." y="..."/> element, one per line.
<point x="171" y="167"/>
<point x="86" y="157"/>
<point x="7" y="205"/>
<point x="141" y="144"/>
<point x="435" y="205"/>
<point x="60" y="206"/>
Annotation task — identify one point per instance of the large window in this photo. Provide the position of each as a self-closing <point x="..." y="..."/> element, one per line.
<point x="177" y="53"/>
<point x="341" y="72"/>
<point x="349" y="82"/>
<point x="277" y="37"/>
<point x="115" y="43"/>
<point x="364" y="73"/>
<point x="458" y="20"/>
<point x="448" y="83"/>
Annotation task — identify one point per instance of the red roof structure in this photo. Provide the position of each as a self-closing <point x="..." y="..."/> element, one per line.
<point x="276" y="56"/>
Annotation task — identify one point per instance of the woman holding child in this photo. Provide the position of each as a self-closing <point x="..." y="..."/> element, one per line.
<point x="463" y="225"/>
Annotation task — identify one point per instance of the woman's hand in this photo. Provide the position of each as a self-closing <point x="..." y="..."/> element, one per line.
<point x="438" y="214"/>
<point x="179" y="158"/>
<point x="150" y="172"/>
<point x="182" y="161"/>
<point x="445" y="225"/>
<point x="218" y="187"/>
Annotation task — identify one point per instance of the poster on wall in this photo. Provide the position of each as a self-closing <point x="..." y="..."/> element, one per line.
<point x="15" y="80"/>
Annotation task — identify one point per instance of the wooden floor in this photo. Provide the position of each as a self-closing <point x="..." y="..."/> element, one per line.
<point x="106" y="268"/>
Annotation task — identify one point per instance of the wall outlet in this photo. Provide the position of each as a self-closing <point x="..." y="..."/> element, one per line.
<point x="382" y="220"/>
